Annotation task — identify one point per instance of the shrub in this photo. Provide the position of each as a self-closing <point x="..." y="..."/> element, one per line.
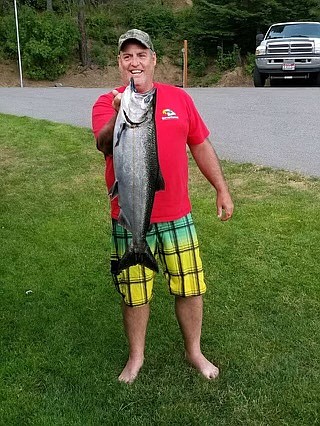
<point x="249" y="63"/>
<point x="230" y="60"/>
<point x="157" y="21"/>
<point x="100" y="27"/>
<point x="99" y="54"/>
<point x="52" y="43"/>
<point x="47" y="41"/>
<point x="8" y="36"/>
<point x="198" y="64"/>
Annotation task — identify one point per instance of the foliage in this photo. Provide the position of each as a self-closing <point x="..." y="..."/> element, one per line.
<point x="27" y="23"/>
<point x="157" y="20"/>
<point x="47" y="42"/>
<point x="229" y="60"/>
<point x="198" y="64"/>
<point x="207" y="25"/>
<point x="103" y="55"/>
<point x="100" y="28"/>
<point x="62" y="342"/>
<point x="249" y="63"/>
<point x="237" y="22"/>
<point x="59" y="6"/>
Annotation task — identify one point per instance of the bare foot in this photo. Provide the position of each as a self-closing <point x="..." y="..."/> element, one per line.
<point x="130" y="371"/>
<point x="205" y="367"/>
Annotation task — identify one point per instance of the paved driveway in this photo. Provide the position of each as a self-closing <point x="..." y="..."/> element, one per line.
<point x="278" y="127"/>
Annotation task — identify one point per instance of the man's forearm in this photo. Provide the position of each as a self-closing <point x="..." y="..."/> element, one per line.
<point x="105" y="138"/>
<point x="209" y="164"/>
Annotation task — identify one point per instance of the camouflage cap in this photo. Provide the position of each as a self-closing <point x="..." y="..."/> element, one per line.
<point x="138" y="35"/>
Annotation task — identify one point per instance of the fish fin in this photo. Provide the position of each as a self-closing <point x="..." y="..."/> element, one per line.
<point x="120" y="133"/>
<point x="131" y="258"/>
<point x="160" y="182"/>
<point x="113" y="192"/>
<point x="123" y="221"/>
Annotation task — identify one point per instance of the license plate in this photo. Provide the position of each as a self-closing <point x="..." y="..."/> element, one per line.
<point x="288" y="66"/>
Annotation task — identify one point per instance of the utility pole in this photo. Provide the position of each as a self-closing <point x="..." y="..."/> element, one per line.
<point x="18" y="42"/>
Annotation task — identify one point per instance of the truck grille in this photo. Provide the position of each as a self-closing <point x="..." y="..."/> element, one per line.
<point x="287" y="48"/>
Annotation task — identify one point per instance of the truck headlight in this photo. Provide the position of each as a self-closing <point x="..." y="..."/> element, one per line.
<point x="260" y="51"/>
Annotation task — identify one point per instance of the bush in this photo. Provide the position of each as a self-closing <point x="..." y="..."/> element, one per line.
<point x="8" y="36"/>
<point x="52" y="43"/>
<point x="103" y="55"/>
<point x="230" y="60"/>
<point x="47" y="41"/>
<point x="198" y="64"/>
<point x="100" y="28"/>
<point x="250" y="61"/>
<point x="157" y="20"/>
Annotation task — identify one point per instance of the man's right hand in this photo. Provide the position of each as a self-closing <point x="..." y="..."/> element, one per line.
<point x="116" y="100"/>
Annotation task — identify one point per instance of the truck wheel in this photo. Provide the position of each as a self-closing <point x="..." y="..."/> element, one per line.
<point x="317" y="79"/>
<point x="259" y="80"/>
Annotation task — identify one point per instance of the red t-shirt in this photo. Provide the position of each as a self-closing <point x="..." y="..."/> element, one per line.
<point x="178" y="123"/>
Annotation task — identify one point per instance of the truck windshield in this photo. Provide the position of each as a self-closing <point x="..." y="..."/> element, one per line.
<point x="294" y="30"/>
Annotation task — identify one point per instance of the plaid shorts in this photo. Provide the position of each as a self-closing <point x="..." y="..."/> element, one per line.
<point x="175" y="246"/>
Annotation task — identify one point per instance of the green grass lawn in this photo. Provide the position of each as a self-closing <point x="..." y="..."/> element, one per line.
<point x="61" y="339"/>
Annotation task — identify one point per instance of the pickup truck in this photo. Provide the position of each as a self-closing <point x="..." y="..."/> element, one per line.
<point x="289" y="50"/>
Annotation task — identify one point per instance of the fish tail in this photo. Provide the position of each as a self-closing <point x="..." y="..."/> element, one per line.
<point x="132" y="257"/>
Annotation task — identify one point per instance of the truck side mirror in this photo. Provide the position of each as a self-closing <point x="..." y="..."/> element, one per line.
<point x="259" y="38"/>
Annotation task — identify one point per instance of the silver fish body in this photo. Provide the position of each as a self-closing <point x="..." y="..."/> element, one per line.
<point x="137" y="172"/>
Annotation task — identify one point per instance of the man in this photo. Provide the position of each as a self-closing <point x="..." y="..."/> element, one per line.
<point x="172" y="234"/>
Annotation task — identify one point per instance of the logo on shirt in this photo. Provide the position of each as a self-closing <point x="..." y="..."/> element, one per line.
<point x="168" y="114"/>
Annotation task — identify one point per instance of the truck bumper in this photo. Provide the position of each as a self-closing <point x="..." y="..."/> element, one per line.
<point x="272" y="65"/>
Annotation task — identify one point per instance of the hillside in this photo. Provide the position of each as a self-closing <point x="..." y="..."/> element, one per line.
<point x="109" y="77"/>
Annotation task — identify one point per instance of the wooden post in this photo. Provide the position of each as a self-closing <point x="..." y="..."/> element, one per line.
<point x="185" y="64"/>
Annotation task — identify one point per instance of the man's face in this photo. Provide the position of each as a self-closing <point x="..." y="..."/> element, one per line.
<point x="137" y="62"/>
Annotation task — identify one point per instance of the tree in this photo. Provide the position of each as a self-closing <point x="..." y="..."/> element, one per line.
<point x="83" y="44"/>
<point x="231" y="21"/>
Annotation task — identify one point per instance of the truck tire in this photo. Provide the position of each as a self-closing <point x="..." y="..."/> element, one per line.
<point x="317" y="79"/>
<point x="259" y="80"/>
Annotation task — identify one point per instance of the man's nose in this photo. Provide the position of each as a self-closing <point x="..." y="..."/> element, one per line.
<point x="135" y="61"/>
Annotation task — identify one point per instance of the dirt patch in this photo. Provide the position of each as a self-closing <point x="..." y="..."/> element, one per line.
<point x="78" y="76"/>
<point x="235" y="78"/>
<point x="94" y="76"/>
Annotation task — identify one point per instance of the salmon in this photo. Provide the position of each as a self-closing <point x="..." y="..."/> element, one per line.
<point x="137" y="172"/>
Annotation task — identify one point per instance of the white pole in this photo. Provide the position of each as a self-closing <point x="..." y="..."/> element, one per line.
<point x="18" y="42"/>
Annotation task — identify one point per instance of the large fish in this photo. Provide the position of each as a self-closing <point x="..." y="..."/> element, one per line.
<point x="137" y="172"/>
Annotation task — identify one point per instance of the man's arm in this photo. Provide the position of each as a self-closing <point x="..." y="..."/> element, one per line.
<point x="105" y="137"/>
<point x="209" y="165"/>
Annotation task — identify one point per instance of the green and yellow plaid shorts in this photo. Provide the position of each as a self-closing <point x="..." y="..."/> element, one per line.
<point x="175" y="246"/>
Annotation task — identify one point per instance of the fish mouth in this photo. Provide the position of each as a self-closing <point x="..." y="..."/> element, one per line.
<point x="132" y="85"/>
